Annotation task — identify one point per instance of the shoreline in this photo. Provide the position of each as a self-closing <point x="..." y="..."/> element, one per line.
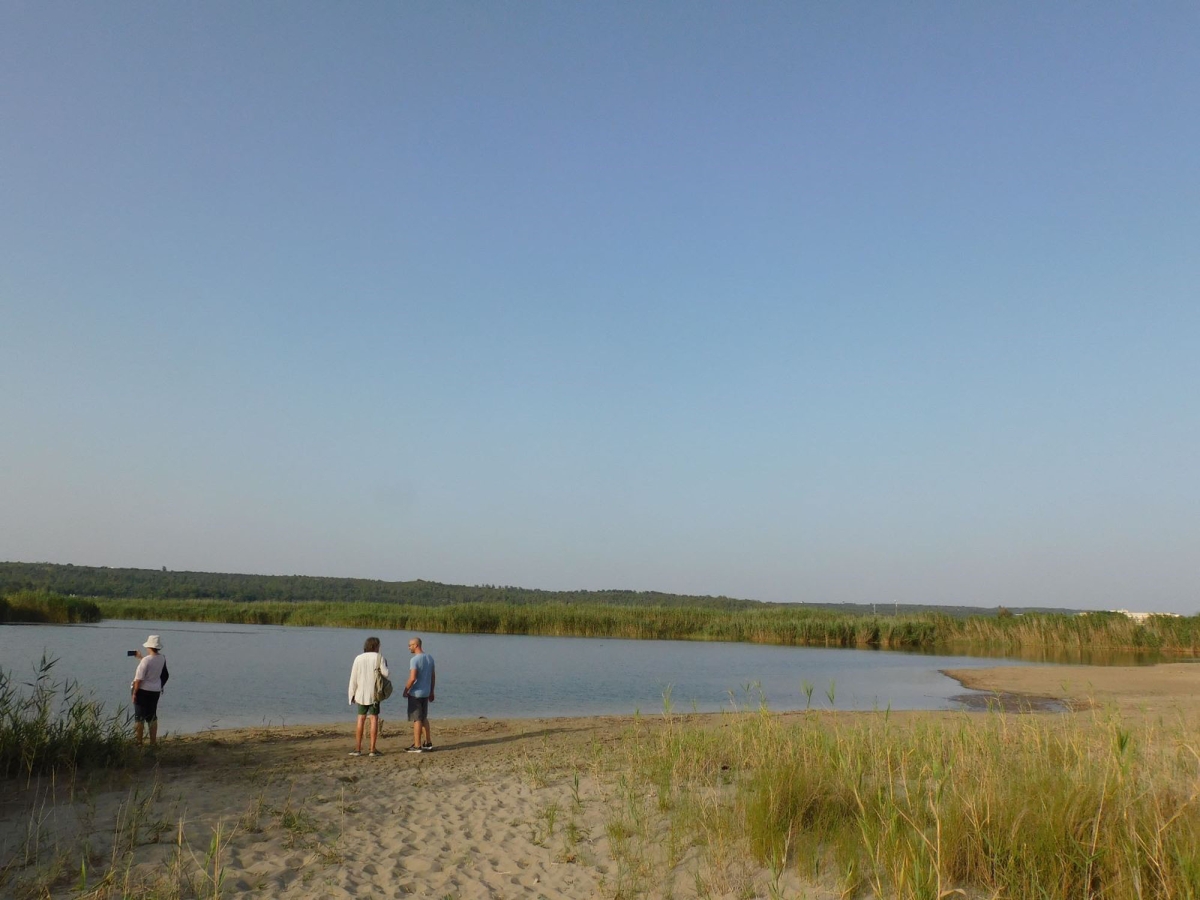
<point x="1164" y="688"/>
<point x="1055" y="688"/>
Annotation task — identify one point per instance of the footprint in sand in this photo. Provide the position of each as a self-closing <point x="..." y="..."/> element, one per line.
<point x="417" y="865"/>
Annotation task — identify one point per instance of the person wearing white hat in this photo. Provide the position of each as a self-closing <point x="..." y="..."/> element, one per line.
<point x="147" y="687"/>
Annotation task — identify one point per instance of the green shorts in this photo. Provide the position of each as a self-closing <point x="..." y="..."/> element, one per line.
<point x="372" y="710"/>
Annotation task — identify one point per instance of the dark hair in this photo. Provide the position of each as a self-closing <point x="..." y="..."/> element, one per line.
<point x="371" y="645"/>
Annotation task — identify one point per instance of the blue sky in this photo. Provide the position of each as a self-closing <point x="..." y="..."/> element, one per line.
<point x="856" y="302"/>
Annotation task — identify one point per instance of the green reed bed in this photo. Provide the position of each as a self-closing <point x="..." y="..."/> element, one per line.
<point x="794" y="626"/>
<point x="1170" y="634"/>
<point x="774" y="625"/>
<point x="995" y="805"/>
<point x="47" y="724"/>
<point x="40" y="606"/>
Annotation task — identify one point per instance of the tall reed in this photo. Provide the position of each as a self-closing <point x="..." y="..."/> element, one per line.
<point x="794" y="626"/>
<point x="42" y="606"/>
<point x="53" y="725"/>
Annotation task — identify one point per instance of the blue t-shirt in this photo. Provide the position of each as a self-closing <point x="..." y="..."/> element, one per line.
<point x="423" y="663"/>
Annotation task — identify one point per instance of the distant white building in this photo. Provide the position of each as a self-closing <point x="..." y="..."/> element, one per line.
<point x="1142" y="616"/>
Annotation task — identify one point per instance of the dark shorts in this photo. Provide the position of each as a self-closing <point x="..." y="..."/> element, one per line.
<point x="371" y="710"/>
<point x="145" y="705"/>
<point x="418" y="709"/>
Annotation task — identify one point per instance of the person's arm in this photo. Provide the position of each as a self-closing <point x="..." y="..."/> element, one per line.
<point x="353" y="681"/>
<point x="432" y="683"/>
<point x="412" y="679"/>
<point x="383" y="667"/>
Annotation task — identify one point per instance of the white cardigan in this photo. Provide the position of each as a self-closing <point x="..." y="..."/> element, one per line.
<point x="362" y="677"/>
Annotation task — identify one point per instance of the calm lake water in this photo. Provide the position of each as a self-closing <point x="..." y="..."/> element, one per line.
<point x="226" y="676"/>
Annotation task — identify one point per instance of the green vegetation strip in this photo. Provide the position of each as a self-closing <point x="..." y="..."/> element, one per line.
<point x="791" y="626"/>
<point x="40" y="606"/>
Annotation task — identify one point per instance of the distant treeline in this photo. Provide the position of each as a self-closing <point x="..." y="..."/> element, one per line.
<point x="1058" y="636"/>
<point x="93" y="581"/>
<point x="101" y="581"/>
<point x="35" y="592"/>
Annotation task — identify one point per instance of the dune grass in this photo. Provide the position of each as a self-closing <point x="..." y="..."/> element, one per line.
<point x="793" y="626"/>
<point x="48" y="725"/>
<point x="994" y="805"/>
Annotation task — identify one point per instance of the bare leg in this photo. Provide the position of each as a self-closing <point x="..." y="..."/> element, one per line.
<point x="417" y="733"/>
<point x="358" y="734"/>
<point x="154" y="732"/>
<point x="425" y="731"/>
<point x="137" y="732"/>
<point x="374" y="731"/>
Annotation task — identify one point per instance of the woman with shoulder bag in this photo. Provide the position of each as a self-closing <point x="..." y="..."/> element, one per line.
<point x="368" y="676"/>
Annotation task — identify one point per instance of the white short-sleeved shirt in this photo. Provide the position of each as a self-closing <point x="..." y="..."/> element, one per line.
<point x="149" y="671"/>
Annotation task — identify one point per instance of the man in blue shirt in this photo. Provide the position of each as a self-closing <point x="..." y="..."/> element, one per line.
<point x="419" y="691"/>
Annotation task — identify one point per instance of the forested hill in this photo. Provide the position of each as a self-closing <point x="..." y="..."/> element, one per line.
<point x="93" y="581"/>
<point x="104" y="582"/>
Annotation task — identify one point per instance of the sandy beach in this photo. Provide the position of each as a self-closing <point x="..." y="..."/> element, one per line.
<point x="512" y="808"/>
<point x="1170" y="689"/>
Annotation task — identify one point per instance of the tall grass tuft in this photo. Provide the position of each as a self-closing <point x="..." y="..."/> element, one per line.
<point x="1015" y="806"/>
<point x="53" y="725"/>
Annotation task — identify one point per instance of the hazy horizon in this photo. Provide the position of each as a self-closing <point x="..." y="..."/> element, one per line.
<point x="843" y="303"/>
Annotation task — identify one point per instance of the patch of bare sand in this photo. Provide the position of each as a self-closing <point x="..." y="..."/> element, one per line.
<point x="499" y="809"/>
<point x="1163" y="690"/>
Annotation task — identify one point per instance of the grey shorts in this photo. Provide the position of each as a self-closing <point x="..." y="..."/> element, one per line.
<point x="418" y="709"/>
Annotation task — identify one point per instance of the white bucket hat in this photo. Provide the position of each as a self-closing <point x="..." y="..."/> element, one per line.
<point x="153" y="643"/>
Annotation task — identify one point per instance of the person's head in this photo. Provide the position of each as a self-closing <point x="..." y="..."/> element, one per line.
<point x="414" y="645"/>
<point x="153" y="643"/>
<point x="371" y="645"/>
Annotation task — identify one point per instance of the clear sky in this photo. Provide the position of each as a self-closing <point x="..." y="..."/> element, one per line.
<point x="864" y="302"/>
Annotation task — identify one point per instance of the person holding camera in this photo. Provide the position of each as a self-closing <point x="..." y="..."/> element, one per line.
<point x="148" y="683"/>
